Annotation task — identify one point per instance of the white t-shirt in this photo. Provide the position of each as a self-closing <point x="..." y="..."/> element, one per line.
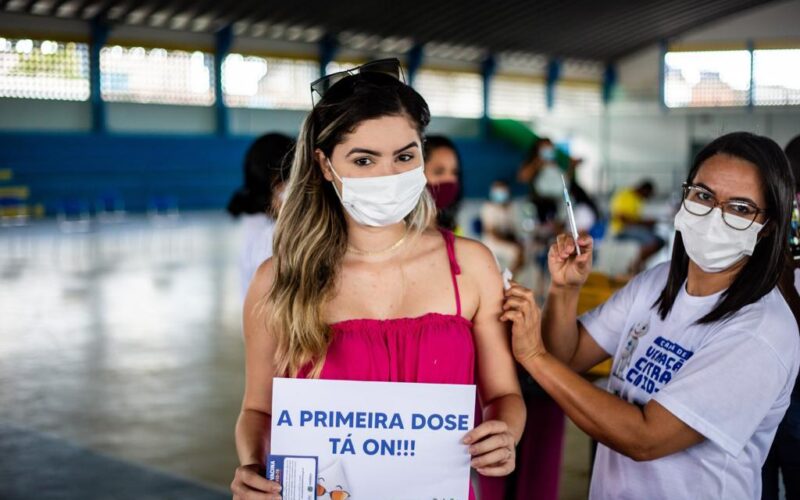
<point x="730" y="380"/>
<point x="258" y="231"/>
<point x="497" y="217"/>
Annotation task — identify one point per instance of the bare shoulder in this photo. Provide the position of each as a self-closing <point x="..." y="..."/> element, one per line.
<point x="256" y="304"/>
<point x="262" y="279"/>
<point x="483" y="279"/>
<point x="475" y="258"/>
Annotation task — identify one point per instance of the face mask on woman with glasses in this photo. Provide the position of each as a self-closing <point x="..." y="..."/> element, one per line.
<point x="716" y="235"/>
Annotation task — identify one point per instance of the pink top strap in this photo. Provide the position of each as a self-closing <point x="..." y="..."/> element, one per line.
<point x="455" y="269"/>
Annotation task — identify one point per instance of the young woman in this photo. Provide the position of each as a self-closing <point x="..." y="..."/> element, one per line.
<point x="705" y="348"/>
<point x="360" y="287"/>
<point x="443" y="171"/>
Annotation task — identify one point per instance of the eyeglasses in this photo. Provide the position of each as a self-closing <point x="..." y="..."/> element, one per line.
<point x="389" y="67"/>
<point x="737" y="214"/>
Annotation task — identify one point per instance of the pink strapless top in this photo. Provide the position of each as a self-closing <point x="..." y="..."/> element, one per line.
<point x="433" y="348"/>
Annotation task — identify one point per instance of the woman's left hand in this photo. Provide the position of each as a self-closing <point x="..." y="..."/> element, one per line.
<point x="521" y="310"/>
<point x="492" y="448"/>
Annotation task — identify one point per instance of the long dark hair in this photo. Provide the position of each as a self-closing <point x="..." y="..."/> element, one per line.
<point x="793" y="153"/>
<point x="761" y="273"/>
<point x="266" y="166"/>
<point x="446" y="218"/>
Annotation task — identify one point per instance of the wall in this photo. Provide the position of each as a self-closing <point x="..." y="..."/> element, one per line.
<point x="200" y="171"/>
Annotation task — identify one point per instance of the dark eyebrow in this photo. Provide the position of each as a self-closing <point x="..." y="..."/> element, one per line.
<point x="701" y="185"/>
<point x="746" y="200"/>
<point x="409" y="145"/>
<point x="735" y="198"/>
<point x="365" y="151"/>
<point x="375" y="153"/>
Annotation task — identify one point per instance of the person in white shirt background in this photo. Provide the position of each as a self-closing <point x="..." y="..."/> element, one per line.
<point x="266" y="171"/>
<point x="696" y="410"/>
<point x="498" y="227"/>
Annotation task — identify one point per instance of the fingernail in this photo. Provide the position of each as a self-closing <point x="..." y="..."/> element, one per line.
<point x="466" y="440"/>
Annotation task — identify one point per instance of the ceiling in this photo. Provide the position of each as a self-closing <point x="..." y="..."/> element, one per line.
<point x="582" y="29"/>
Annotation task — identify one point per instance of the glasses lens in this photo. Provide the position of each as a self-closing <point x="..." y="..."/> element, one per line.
<point x="695" y="208"/>
<point x="700" y="200"/>
<point x="321" y="86"/>
<point x="739" y="216"/>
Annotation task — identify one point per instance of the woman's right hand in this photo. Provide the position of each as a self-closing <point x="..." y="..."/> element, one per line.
<point x="567" y="269"/>
<point x="249" y="483"/>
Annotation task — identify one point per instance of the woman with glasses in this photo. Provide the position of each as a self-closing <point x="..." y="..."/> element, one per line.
<point x="362" y="286"/>
<point x="705" y="348"/>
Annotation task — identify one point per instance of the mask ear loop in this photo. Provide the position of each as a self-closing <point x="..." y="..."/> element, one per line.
<point x="337" y="176"/>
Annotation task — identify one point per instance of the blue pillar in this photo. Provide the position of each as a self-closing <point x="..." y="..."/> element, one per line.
<point x="553" y="75"/>
<point x="609" y="82"/>
<point x="414" y="61"/>
<point x="222" y="46"/>
<point x="488" y="69"/>
<point x="98" y="36"/>
<point x="328" y="46"/>
<point x="751" y="93"/>
<point x="662" y="75"/>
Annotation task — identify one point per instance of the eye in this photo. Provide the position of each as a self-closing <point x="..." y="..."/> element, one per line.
<point x="406" y="157"/>
<point x="703" y="196"/>
<point x="363" y="162"/>
<point x="741" y="209"/>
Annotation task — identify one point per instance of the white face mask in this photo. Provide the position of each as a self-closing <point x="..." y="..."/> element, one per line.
<point x="381" y="201"/>
<point x="710" y="243"/>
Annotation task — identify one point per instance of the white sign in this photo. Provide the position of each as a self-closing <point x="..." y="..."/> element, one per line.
<point x="377" y="440"/>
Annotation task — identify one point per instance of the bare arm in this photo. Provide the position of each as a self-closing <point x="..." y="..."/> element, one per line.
<point x="254" y="422"/>
<point x="493" y="442"/>
<point x="528" y="170"/>
<point x="642" y="434"/>
<point x="564" y="337"/>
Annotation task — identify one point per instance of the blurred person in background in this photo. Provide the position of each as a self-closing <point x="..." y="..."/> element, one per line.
<point x="541" y="171"/>
<point x="256" y="203"/>
<point x="629" y="224"/>
<point x="498" y="227"/>
<point x="539" y="452"/>
<point x="784" y="456"/>
<point x="542" y="175"/>
<point x="443" y="172"/>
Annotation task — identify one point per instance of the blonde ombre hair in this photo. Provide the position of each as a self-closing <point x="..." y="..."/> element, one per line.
<point x="311" y="234"/>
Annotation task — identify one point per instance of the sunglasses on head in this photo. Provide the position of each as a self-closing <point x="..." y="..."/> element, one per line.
<point x="389" y="67"/>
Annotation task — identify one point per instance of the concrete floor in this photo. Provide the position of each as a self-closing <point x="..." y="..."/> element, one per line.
<point x="123" y="345"/>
